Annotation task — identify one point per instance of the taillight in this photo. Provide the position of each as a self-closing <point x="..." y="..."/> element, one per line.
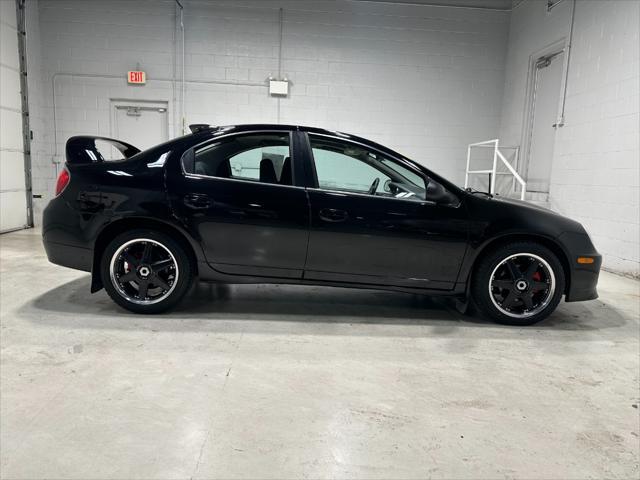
<point x="63" y="181"/>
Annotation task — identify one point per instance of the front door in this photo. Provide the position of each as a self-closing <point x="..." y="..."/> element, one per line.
<point x="371" y="221"/>
<point x="238" y="197"/>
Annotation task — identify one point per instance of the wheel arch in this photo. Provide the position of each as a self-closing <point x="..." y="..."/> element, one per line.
<point x="494" y="243"/>
<point x="117" y="227"/>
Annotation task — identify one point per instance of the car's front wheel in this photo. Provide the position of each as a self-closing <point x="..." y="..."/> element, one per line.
<point x="518" y="284"/>
<point x="146" y="271"/>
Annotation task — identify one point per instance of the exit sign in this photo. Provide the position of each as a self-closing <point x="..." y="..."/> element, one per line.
<point x="137" y="77"/>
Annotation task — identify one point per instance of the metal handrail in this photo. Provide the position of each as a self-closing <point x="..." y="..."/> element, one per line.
<point x="497" y="155"/>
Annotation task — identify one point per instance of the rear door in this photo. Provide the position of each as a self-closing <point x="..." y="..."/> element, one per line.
<point x="238" y="196"/>
<point x="144" y="123"/>
<point x="372" y="222"/>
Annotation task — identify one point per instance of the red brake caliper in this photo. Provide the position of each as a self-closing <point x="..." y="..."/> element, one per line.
<point x="536" y="277"/>
<point x="127" y="266"/>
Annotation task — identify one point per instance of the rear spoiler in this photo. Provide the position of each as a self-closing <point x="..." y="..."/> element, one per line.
<point x="201" y="127"/>
<point x="83" y="149"/>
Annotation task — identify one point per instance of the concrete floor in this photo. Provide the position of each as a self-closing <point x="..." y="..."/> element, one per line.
<point x="299" y="382"/>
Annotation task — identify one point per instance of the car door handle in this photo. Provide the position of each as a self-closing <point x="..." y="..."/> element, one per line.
<point x="333" y="215"/>
<point x="197" y="201"/>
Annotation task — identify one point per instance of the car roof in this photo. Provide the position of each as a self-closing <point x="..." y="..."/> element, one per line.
<point x="226" y="129"/>
<point x="259" y="126"/>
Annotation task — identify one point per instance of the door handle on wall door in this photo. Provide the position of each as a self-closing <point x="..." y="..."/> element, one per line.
<point x="333" y="215"/>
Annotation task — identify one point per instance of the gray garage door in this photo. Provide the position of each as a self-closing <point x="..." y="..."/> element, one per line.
<point x="13" y="197"/>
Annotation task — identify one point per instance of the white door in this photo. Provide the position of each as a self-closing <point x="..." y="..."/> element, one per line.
<point x="546" y="97"/>
<point x="13" y="191"/>
<point x="142" y="124"/>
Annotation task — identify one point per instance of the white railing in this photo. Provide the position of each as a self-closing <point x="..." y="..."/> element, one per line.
<point x="493" y="172"/>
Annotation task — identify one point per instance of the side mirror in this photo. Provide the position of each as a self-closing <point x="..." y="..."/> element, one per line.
<point x="440" y="195"/>
<point x="387" y="186"/>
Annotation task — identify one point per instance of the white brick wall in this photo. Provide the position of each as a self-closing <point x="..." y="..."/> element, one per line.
<point x="424" y="80"/>
<point x="596" y="177"/>
<point x="531" y="30"/>
<point x="595" y="173"/>
<point x="95" y="39"/>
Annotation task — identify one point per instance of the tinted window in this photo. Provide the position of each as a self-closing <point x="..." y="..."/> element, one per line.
<point x="260" y="157"/>
<point x="348" y="167"/>
<point x="342" y="170"/>
<point x="404" y="172"/>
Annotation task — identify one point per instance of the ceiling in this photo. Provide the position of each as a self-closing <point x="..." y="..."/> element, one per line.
<point x="489" y="4"/>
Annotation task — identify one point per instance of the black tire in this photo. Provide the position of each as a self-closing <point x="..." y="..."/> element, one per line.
<point x="527" y="301"/>
<point x="175" y="271"/>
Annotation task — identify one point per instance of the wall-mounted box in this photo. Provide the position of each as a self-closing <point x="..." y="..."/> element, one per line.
<point x="278" y="87"/>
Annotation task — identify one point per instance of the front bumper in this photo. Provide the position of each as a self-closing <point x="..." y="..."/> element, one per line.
<point x="583" y="281"/>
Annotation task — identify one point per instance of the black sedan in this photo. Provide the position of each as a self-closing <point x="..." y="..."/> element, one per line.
<point x="289" y="204"/>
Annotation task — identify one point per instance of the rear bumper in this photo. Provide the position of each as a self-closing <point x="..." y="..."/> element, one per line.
<point x="68" y="255"/>
<point x="62" y="236"/>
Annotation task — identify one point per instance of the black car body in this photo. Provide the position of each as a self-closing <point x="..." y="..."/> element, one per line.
<point x="240" y="225"/>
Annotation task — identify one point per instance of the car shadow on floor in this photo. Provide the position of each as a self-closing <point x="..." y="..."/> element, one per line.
<point x="73" y="305"/>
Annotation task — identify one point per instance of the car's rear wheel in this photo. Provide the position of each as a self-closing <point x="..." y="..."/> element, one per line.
<point x="518" y="284"/>
<point x="146" y="271"/>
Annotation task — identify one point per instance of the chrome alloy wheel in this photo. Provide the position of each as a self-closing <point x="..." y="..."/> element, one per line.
<point x="522" y="285"/>
<point x="144" y="271"/>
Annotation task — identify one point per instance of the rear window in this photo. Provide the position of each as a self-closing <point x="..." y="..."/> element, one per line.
<point x="261" y="157"/>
